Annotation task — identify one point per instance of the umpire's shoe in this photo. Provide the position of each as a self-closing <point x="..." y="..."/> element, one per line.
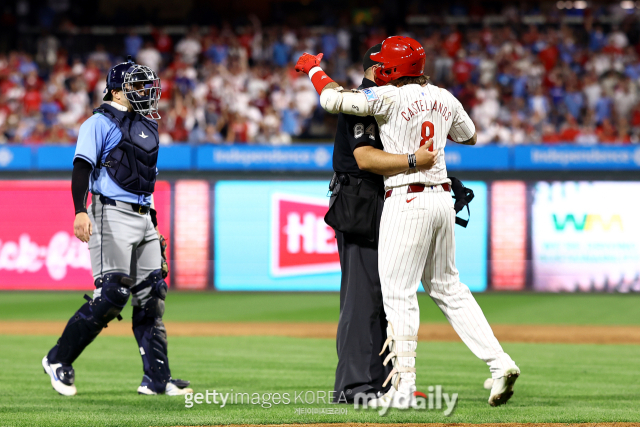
<point x="174" y="387"/>
<point x="62" y="377"/>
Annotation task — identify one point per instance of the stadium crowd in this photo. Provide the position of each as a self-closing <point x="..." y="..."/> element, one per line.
<point x="520" y="83"/>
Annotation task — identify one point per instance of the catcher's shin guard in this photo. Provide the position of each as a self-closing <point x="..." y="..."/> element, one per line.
<point x="92" y="317"/>
<point x="395" y="354"/>
<point x="151" y="333"/>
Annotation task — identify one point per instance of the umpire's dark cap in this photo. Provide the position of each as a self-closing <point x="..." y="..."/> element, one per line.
<point x="367" y="62"/>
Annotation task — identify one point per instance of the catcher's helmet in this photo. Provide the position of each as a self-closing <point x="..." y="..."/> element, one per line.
<point x="139" y="83"/>
<point x="400" y="57"/>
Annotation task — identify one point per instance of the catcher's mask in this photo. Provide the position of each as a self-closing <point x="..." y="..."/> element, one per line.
<point x="139" y="84"/>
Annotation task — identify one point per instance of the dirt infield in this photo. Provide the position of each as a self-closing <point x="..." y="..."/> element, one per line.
<point x="441" y="425"/>
<point x="428" y="331"/>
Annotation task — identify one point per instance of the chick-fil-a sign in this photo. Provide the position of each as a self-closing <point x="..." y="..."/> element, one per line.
<point x="37" y="247"/>
<point x="55" y="258"/>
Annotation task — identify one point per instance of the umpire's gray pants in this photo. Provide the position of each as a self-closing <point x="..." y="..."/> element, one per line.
<point x="123" y="241"/>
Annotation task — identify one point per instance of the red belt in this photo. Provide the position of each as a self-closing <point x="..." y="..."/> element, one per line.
<point x="417" y="188"/>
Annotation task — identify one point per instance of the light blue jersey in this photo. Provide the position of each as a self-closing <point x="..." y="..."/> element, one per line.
<point x="97" y="137"/>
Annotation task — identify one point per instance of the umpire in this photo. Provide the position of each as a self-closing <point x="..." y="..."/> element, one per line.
<point x="115" y="159"/>
<point x="355" y="211"/>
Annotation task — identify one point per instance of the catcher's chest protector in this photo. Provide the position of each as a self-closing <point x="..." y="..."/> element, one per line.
<point x="132" y="163"/>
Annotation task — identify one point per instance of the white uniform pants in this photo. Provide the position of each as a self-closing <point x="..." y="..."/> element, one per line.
<point x="417" y="244"/>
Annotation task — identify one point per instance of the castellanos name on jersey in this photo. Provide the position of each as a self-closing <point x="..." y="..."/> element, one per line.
<point x="97" y="137"/>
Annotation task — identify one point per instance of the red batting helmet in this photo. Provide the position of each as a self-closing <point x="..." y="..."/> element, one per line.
<point x="400" y="57"/>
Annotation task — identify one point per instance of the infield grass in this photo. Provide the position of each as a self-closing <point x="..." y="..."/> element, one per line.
<point x="500" y="308"/>
<point x="559" y="383"/>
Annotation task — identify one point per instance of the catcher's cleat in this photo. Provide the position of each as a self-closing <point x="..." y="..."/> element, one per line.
<point x="502" y="388"/>
<point x="173" y="390"/>
<point x="175" y="387"/>
<point x="145" y="387"/>
<point x="62" y="377"/>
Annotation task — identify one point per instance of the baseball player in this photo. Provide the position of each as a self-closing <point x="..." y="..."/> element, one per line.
<point x="417" y="228"/>
<point x="359" y="163"/>
<point x="116" y="159"/>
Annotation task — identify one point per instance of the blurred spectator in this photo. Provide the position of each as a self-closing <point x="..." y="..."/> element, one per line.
<point x="75" y="103"/>
<point x="132" y="44"/>
<point x="100" y="56"/>
<point x="280" y="53"/>
<point x="606" y="132"/>
<point x="570" y="129"/>
<point x="47" y="50"/>
<point x="189" y="47"/>
<point x="462" y="69"/>
<point x="538" y="103"/>
<point x="573" y="99"/>
<point x="49" y="110"/>
<point x="163" y="43"/>
<point x="92" y="75"/>
<point x="596" y="39"/>
<point x="149" y="56"/>
<point x="625" y="97"/>
<point x="603" y="109"/>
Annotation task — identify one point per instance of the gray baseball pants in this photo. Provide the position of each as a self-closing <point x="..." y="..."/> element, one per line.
<point x="123" y="241"/>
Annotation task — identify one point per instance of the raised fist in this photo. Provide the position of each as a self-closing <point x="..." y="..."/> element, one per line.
<point x="307" y="61"/>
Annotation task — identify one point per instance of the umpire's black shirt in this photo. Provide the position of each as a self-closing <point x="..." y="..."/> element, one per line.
<point x="352" y="132"/>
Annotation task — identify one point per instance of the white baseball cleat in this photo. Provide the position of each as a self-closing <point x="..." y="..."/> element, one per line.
<point x="399" y="399"/>
<point x="143" y="389"/>
<point x="502" y="388"/>
<point x="173" y="388"/>
<point x="62" y="377"/>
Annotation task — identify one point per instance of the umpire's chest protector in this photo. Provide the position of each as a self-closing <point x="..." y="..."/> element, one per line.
<point x="132" y="163"/>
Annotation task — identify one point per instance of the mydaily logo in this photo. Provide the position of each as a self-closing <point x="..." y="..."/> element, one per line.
<point x="434" y="399"/>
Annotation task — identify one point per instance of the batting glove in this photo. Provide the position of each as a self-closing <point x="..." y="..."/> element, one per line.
<point x="307" y="61"/>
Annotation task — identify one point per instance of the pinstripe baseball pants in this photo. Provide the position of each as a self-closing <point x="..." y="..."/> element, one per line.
<point x="417" y="243"/>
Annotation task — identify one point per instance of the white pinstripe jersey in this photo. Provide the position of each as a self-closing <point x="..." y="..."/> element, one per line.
<point x="409" y="116"/>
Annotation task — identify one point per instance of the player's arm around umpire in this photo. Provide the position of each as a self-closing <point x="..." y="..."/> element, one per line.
<point x="355" y="211"/>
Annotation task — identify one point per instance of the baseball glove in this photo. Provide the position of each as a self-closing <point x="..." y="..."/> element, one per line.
<point x="163" y="252"/>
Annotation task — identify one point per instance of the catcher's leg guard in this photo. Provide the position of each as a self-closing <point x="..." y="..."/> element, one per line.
<point x="150" y="331"/>
<point x="92" y="317"/>
<point x="394" y="355"/>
